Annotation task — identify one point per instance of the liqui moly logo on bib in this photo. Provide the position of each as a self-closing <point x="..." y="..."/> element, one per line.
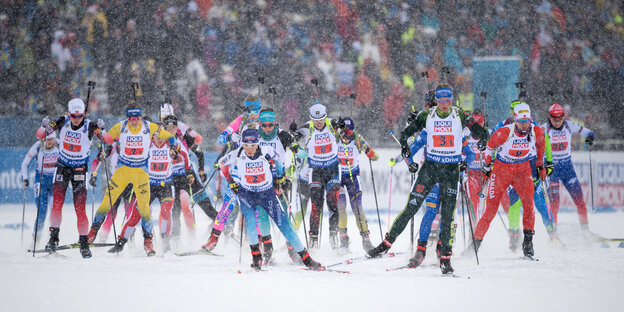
<point x="254" y="167"/>
<point x="72" y="137"/>
<point x="558" y="138"/>
<point x="322" y="138"/>
<point x="442" y="126"/>
<point x="134" y="141"/>
<point x="271" y="144"/>
<point x="160" y="154"/>
<point x="520" y="144"/>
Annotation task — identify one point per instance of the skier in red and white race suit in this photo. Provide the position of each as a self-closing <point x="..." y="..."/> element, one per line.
<point x="75" y="133"/>
<point x="513" y="144"/>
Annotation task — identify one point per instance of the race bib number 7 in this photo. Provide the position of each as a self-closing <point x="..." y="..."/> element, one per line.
<point x="443" y="141"/>
<point x="133" y="151"/>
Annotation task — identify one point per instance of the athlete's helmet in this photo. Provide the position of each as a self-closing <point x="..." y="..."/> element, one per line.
<point x="556" y="110"/>
<point x="76" y="106"/>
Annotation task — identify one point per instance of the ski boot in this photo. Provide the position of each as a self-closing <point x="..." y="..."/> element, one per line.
<point x="527" y="244"/>
<point x="445" y="264"/>
<point x="83" y="240"/>
<point x="383" y="247"/>
<point x="470" y="251"/>
<point x="212" y="241"/>
<point x="256" y="262"/>
<point x="418" y="258"/>
<point x="268" y="249"/>
<point x="93" y="234"/>
<point x="293" y="254"/>
<point x="119" y="246"/>
<point x="309" y="262"/>
<point x="54" y="240"/>
<point x="147" y="245"/>
<point x="344" y="239"/>
<point x="366" y="243"/>
<point x="313" y="243"/>
<point x="589" y="236"/>
<point x="514" y="239"/>
<point x="333" y="239"/>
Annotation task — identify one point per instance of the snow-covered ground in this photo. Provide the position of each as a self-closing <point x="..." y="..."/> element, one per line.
<point x="581" y="277"/>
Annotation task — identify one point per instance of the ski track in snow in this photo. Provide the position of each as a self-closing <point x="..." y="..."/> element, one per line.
<point x="581" y="277"/>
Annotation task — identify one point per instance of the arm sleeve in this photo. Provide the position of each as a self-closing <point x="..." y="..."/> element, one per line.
<point x="32" y="152"/>
<point x="547" y="146"/>
<point x="539" y="145"/>
<point x="498" y="137"/>
<point x="285" y="138"/>
<point x="231" y="128"/>
<point x="582" y="131"/>
<point x="413" y="127"/>
<point x="470" y="155"/>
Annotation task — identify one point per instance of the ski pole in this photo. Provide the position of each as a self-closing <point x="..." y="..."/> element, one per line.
<point x="390" y="198"/>
<point x="23" y="213"/>
<point x="463" y="194"/>
<point x="370" y="162"/>
<point x="463" y="219"/>
<point x="110" y="200"/>
<point x="591" y="180"/>
<point x="90" y="85"/>
<point x="38" y="204"/>
<point x="240" y="243"/>
<point x="303" y="213"/>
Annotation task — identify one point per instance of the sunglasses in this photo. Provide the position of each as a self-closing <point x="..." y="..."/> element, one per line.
<point x="249" y="145"/>
<point x="267" y="125"/>
<point x="523" y="121"/>
<point x="76" y="116"/>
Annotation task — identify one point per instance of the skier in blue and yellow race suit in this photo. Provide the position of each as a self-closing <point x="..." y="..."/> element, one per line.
<point x="135" y="137"/>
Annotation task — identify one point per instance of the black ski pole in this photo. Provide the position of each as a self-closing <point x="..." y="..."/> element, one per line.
<point x="110" y="200"/>
<point x="23" y="213"/>
<point x="591" y="179"/>
<point x="412" y="223"/>
<point x="463" y="194"/>
<point x="240" y="243"/>
<point x="38" y="204"/>
<point x="134" y="87"/>
<point x="463" y="209"/>
<point x="90" y="85"/>
<point x="370" y="162"/>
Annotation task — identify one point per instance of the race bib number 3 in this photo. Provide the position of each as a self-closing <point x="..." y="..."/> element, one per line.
<point x="443" y="141"/>
<point x="254" y="179"/>
<point x="133" y="151"/>
<point x="323" y="149"/>
<point x="72" y="147"/>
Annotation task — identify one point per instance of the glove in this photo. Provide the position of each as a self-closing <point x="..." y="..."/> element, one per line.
<point x="101" y="124"/>
<point x="286" y="185"/>
<point x="93" y="179"/>
<point x="25" y="183"/>
<point x="405" y="151"/>
<point x="462" y="166"/>
<point x="487" y="169"/>
<point x="392" y="162"/>
<point x="292" y="127"/>
<point x="549" y="167"/>
<point x="173" y="151"/>
<point x="278" y="181"/>
<point x="412" y="167"/>
<point x="191" y="178"/>
<point x="341" y="123"/>
<point x="589" y="140"/>
<point x="334" y="123"/>
<point x="294" y="148"/>
<point x="202" y="176"/>
<point x="481" y="145"/>
<point x="234" y="187"/>
<point x="45" y="122"/>
<point x="411" y="117"/>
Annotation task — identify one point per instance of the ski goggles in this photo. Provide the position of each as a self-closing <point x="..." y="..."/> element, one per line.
<point x="253" y="107"/>
<point x="133" y="112"/>
<point x="76" y="116"/>
<point x="249" y="145"/>
<point x="524" y="121"/>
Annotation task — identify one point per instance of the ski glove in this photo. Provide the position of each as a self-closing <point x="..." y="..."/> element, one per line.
<point x="482" y="144"/>
<point x="412" y="167"/>
<point x="549" y="167"/>
<point x="101" y="124"/>
<point x="202" y="176"/>
<point x="487" y="169"/>
<point x="405" y="151"/>
<point x="294" y="148"/>
<point x="190" y="177"/>
<point x="292" y="127"/>
<point x="45" y="122"/>
<point x="93" y="179"/>
<point x="25" y="183"/>
<point x="392" y="162"/>
<point x="234" y="187"/>
<point x="589" y="140"/>
<point x="462" y="166"/>
<point x="341" y="123"/>
<point x="173" y="151"/>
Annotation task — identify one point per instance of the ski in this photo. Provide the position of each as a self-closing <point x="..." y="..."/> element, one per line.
<point x="72" y="246"/>
<point x="408" y="267"/>
<point x="327" y="270"/>
<point x="364" y="258"/>
<point x="530" y="258"/>
<point x="198" y="252"/>
<point x="399" y="268"/>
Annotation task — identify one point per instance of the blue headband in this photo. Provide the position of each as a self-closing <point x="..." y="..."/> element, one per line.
<point x="253" y="106"/>
<point x="133" y="112"/>
<point x="267" y="116"/>
<point x="443" y="93"/>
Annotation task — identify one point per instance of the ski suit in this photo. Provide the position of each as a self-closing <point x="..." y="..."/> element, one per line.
<point x="563" y="170"/>
<point x="72" y="167"/>
<point x="511" y="168"/>
<point x="181" y="171"/>
<point x="441" y="166"/>
<point x="43" y="190"/>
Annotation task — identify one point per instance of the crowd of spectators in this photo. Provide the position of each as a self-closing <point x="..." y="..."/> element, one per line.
<point x="207" y="54"/>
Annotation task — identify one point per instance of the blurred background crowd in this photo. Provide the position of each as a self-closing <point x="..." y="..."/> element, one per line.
<point x="206" y="55"/>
